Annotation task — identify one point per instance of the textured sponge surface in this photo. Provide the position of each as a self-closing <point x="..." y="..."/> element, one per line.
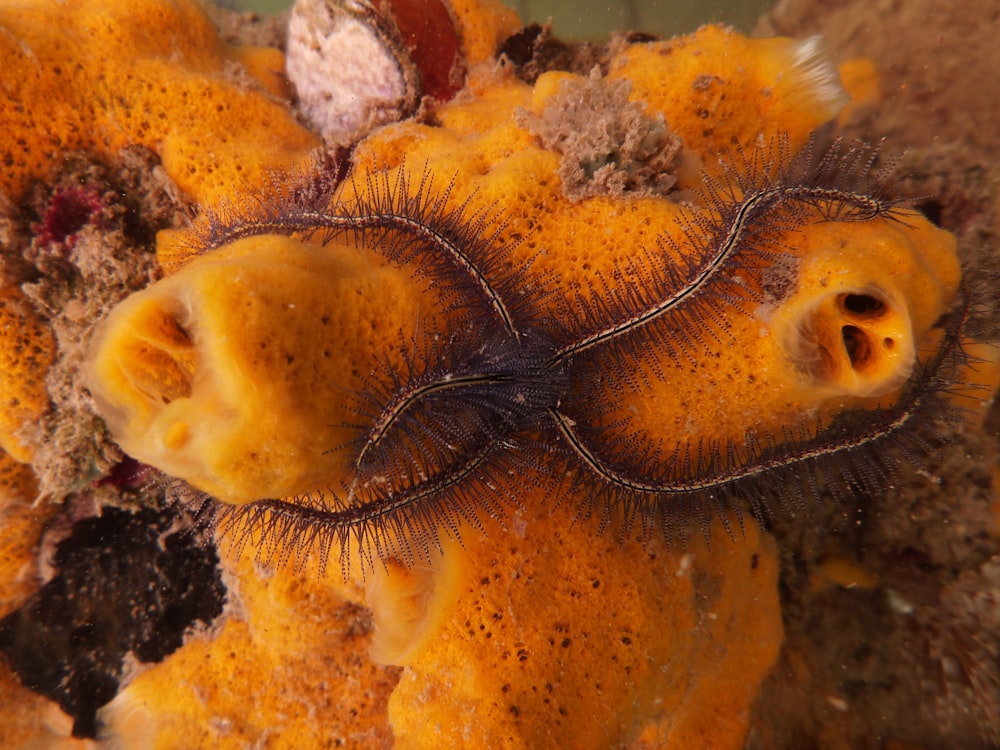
<point x="237" y="372"/>
<point x="148" y="72"/>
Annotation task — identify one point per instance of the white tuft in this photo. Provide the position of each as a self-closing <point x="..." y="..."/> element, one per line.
<point x="814" y="75"/>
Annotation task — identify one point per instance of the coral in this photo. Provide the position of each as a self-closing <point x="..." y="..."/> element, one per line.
<point x="604" y="155"/>
<point x="146" y="72"/>
<point x="92" y="248"/>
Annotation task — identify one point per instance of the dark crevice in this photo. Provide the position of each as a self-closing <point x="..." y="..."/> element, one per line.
<point x="127" y="582"/>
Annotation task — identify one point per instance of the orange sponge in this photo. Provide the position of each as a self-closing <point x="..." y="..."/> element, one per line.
<point x="232" y="412"/>
<point x="559" y="637"/>
<point x="27" y="348"/>
<point x="718" y="88"/>
<point x="752" y="313"/>
<point x="294" y="649"/>
<point x="100" y="76"/>
<point x="21" y="527"/>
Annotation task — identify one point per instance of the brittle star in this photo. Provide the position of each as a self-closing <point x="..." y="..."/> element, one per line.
<point x="509" y="388"/>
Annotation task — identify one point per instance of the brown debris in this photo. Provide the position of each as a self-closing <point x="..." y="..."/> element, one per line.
<point x="91" y="244"/>
<point x="609" y="145"/>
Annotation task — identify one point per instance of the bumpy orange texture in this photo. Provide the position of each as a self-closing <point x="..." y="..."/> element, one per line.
<point x="97" y="76"/>
<point x="265" y="409"/>
<point x="27" y="348"/>
<point x="21" y="526"/>
<point x="718" y="88"/>
<point x="291" y="666"/>
<point x="558" y="637"/>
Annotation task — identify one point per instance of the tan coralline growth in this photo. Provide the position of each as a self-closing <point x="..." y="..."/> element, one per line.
<point x="27" y="348"/>
<point x="628" y="151"/>
<point x="141" y="72"/>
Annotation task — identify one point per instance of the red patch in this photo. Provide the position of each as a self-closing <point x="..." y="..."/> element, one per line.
<point x="69" y="211"/>
<point x="127" y="474"/>
<point x="430" y="36"/>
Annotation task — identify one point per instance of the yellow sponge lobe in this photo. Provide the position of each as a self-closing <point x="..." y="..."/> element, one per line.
<point x="867" y="296"/>
<point x="237" y="373"/>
